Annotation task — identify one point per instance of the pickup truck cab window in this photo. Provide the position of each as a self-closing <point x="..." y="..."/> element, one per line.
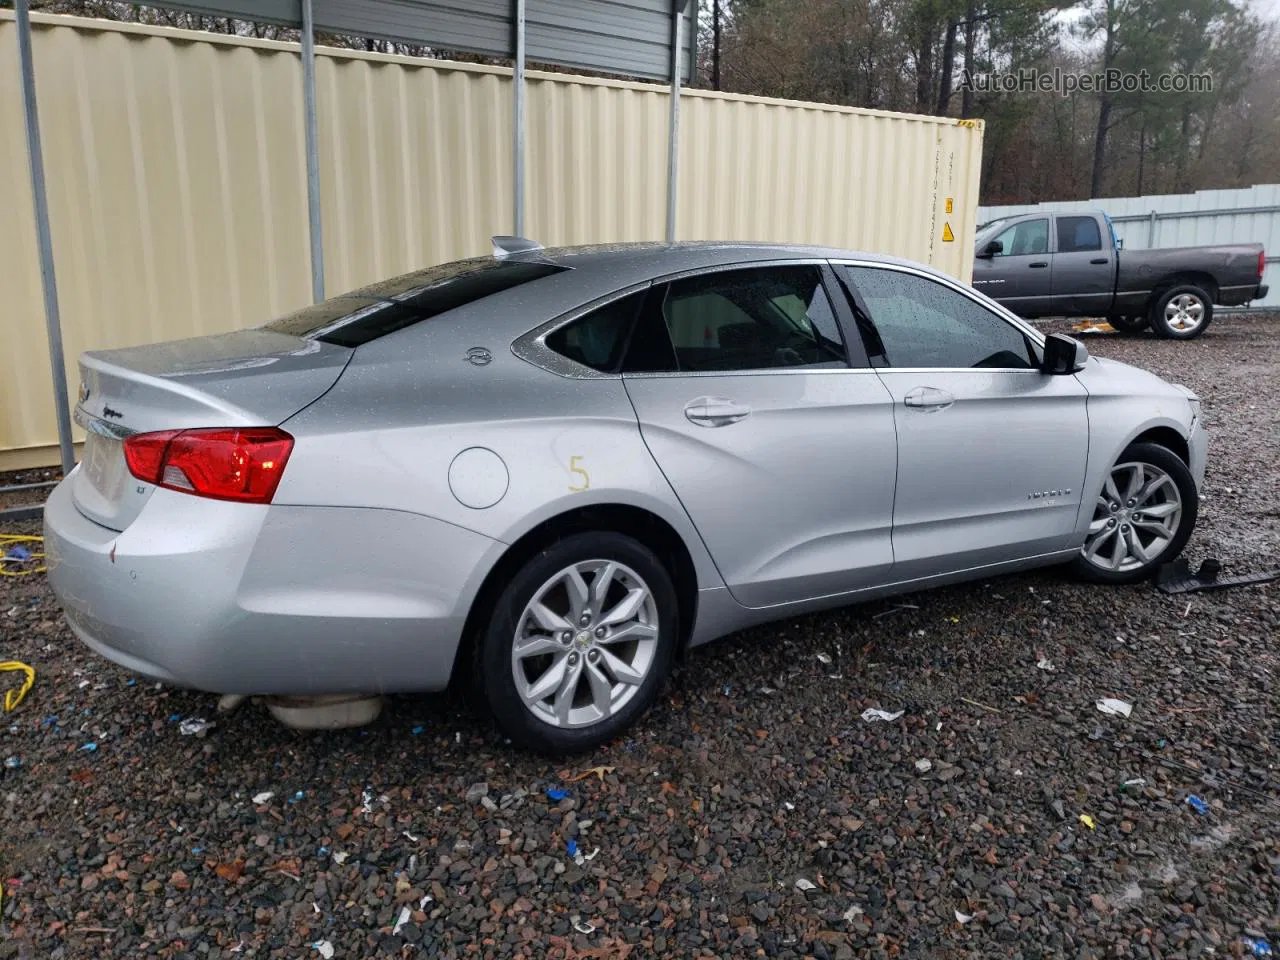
<point x="1078" y="235"/>
<point x="919" y="323"/>
<point x="1025" y="239"/>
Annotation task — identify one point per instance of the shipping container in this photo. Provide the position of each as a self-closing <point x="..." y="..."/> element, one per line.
<point x="177" y="189"/>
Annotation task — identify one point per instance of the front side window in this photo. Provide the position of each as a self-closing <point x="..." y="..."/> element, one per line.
<point x="753" y="319"/>
<point x="1078" y="234"/>
<point x="1025" y="239"/>
<point x="919" y="322"/>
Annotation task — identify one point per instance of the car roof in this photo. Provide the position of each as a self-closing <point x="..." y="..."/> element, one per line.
<point x="600" y="271"/>
<point x="647" y="260"/>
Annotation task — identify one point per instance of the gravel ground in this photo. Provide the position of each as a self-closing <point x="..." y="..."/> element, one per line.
<point x="753" y="813"/>
<point x="26" y="478"/>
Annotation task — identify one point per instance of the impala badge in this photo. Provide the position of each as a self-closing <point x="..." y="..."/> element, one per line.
<point x="1048" y="494"/>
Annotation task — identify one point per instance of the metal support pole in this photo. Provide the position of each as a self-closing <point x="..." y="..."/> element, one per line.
<point x="313" y="151"/>
<point x="673" y="131"/>
<point x="517" y="132"/>
<point x="44" y="240"/>
<point x="1151" y="230"/>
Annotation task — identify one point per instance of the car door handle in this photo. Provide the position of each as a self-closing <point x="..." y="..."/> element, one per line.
<point x="1038" y="263"/>
<point x="928" y="398"/>
<point x="715" y="411"/>
<point x="1100" y="260"/>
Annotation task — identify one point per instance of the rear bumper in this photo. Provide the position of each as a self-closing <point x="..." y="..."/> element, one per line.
<point x="236" y="598"/>
<point x="1235" y="296"/>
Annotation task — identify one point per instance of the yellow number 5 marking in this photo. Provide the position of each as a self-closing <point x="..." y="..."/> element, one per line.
<point x="575" y="466"/>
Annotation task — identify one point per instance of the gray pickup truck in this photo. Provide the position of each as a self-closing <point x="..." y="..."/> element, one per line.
<point x="1071" y="265"/>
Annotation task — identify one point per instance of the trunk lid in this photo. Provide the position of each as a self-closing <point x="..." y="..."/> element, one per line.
<point x="250" y="378"/>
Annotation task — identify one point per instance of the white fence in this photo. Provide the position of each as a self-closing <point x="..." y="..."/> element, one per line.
<point x="1186" y="220"/>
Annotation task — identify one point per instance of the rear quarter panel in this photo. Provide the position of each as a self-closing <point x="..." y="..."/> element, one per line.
<point x="388" y="434"/>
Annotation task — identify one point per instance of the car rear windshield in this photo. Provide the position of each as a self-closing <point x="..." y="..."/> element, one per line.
<point x="360" y="316"/>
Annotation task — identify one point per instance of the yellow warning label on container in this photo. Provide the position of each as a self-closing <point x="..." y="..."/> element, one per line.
<point x="947" y="235"/>
<point x="950" y="204"/>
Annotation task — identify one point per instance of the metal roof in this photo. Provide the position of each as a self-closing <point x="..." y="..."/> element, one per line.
<point x="625" y="37"/>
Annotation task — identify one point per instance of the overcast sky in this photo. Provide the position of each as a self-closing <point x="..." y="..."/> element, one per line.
<point x="1266" y="9"/>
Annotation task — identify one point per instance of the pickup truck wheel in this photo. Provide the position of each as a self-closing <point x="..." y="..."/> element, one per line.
<point x="1128" y="325"/>
<point x="1182" y="313"/>
<point x="1142" y="517"/>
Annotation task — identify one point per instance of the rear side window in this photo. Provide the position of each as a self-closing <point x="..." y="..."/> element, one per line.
<point x="360" y="316"/>
<point x="1078" y="234"/>
<point x="599" y="339"/>
<point x="753" y="319"/>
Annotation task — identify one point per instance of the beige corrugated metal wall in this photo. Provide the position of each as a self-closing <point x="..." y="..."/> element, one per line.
<point x="177" y="186"/>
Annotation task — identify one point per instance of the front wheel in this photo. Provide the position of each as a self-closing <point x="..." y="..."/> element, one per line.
<point x="1142" y="518"/>
<point x="1182" y="313"/>
<point x="579" y="643"/>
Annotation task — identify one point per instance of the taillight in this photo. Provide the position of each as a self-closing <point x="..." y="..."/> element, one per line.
<point x="224" y="463"/>
<point x="1262" y="263"/>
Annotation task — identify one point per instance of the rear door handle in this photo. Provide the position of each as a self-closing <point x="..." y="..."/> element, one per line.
<point x="715" y="411"/>
<point x="1100" y="260"/>
<point x="1038" y="263"/>
<point x="928" y="398"/>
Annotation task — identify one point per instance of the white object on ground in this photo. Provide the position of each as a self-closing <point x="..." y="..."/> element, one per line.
<point x="1114" y="708"/>
<point x="872" y="714"/>
<point x="405" y="914"/>
<point x="325" y="713"/>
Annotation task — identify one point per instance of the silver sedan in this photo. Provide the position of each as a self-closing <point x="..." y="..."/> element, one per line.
<point x="552" y="471"/>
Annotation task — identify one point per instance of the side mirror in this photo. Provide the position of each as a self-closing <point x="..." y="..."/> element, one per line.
<point x="1119" y="243"/>
<point x="1062" y="355"/>
<point x="991" y="249"/>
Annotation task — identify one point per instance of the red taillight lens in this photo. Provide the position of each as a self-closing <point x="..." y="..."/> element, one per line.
<point x="144" y="453"/>
<point x="1262" y="263"/>
<point x="223" y="463"/>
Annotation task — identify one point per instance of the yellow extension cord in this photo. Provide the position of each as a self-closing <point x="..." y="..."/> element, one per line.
<point x="19" y="568"/>
<point x="14" y="697"/>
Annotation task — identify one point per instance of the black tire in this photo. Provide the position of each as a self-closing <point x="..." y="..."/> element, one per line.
<point x="493" y="663"/>
<point x="1171" y="464"/>
<point x="1195" y="298"/>
<point x="1129" y="326"/>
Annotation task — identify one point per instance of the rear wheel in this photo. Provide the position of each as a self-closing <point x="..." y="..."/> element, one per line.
<point x="579" y="643"/>
<point x="1182" y="313"/>
<point x="1128" y="325"/>
<point x="1142" y="518"/>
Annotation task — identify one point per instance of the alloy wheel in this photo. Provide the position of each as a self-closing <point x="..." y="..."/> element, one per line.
<point x="1135" y="518"/>
<point x="1184" y="313"/>
<point x="585" y="643"/>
